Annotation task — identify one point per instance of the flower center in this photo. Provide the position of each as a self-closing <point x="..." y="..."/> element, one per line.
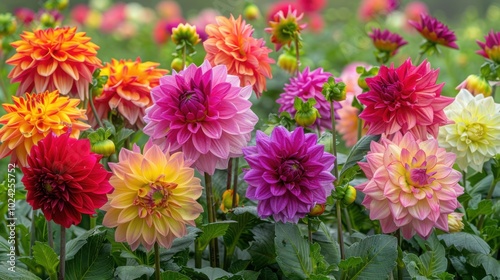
<point x="291" y="171"/>
<point x="153" y="197"/>
<point x="48" y="187"/>
<point x="419" y="177"/>
<point x="192" y="104"/>
<point x="474" y="132"/>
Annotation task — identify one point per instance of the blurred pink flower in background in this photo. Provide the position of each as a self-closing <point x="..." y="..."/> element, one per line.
<point x="370" y="9"/>
<point x="309" y="6"/>
<point x="113" y="18"/>
<point x="412" y="12"/>
<point x="280" y="6"/>
<point x="79" y="13"/>
<point x="25" y="15"/>
<point x="204" y="18"/>
<point x="169" y="10"/>
<point x="411" y="185"/>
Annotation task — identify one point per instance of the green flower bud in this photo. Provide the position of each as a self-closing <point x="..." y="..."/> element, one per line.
<point x="288" y="62"/>
<point x="227" y="201"/>
<point x="476" y="85"/>
<point x="185" y="34"/>
<point x="334" y="91"/>
<point x="349" y="196"/>
<point x="306" y="114"/>
<point x="317" y="210"/>
<point x="104" y="148"/>
<point x="455" y="223"/>
<point x="251" y="12"/>
<point x="8" y="24"/>
<point x="365" y="74"/>
<point x="177" y="64"/>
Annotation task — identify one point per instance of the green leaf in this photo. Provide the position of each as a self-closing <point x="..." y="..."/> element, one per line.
<point x="267" y="274"/>
<point x="262" y="249"/>
<point x="434" y="261"/>
<point x="379" y="254"/>
<point x="133" y="272"/>
<point x="92" y="260"/>
<point x="249" y="274"/>
<point x="211" y="231"/>
<point x="74" y="245"/>
<point x="329" y="246"/>
<point x="357" y="153"/>
<point x="292" y="250"/>
<point x="491" y="266"/>
<point x="18" y="273"/>
<point x="465" y="241"/>
<point x="45" y="256"/>
<point x="173" y="275"/>
<point x="484" y="207"/>
<point x="239" y="265"/>
<point x="413" y="265"/>
<point x="214" y="272"/>
<point x="350" y="263"/>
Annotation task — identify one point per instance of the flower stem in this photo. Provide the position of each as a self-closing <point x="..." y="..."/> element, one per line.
<point x="309" y="231"/>
<point x="419" y="57"/>
<point x="235" y="183"/>
<point x="488" y="196"/>
<point x="360" y="128"/>
<point x="340" y="236"/>
<point x="62" y="254"/>
<point x="157" y="261"/>
<point x="94" y="111"/>
<point x="93" y="221"/>
<point x="348" y="221"/>
<point x="184" y="56"/>
<point x="33" y="231"/>
<point x="334" y="141"/>
<point x="464" y="178"/>
<point x="197" y="253"/>
<point x="297" y="54"/>
<point x="49" y="234"/>
<point x="229" y="174"/>
<point x="400" y="262"/>
<point x="213" y="246"/>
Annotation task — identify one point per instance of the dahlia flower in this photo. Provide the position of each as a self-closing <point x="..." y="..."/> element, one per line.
<point x="311" y="5"/>
<point x="348" y="123"/>
<point x="285" y="30"/>
<point x="31" y="119"/>
<point x="280" y="6"/>
<point x="404" y="99"/>
<point x="386" y="41"/>
<point x="475" y="134"/>
<point x="435" y="31"/>
<point x="289" y="174"/>
<point x="128" y="89"/>
<point x="230" y="43"/>
<point x="412" y="12"/>
<point x="154" y="197"/>
<point x="309" y="84"/>
<point x="476" y="85"/>
<point x="411" y="185"/>
<point x="490" y="49"/>
<point x="370" y="9"/>
<point x="65" y="180"/>
<point x="203" y="112"/>
<point x="55" y="58"/>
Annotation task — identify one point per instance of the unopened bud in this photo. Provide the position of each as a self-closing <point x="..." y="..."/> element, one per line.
<point x="8" y="24"/>
<point x="476" y="85"/>
<point x="334" y="90"/>
<point x="251" y="12"/>
<point x="306" y="113"/>
<point x="365" y="74"/>
<point x="227" y="201"/>
<point x="185" y="34"/>
<point x="349" y="196"/>
<point x="104" y="148"/>
<point x="177" y="64"/>
<point x="455" y="223"/>
<point x="287" y="62"/>
<point x="317" y="210"/>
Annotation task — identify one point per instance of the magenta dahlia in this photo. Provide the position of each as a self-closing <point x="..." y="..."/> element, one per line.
<point x="404" y="99"/>
<point x="289" y="173"/>
<point x="435" y="31"/>
<point x="491" y="47"/>
<point x="65" y="179"/>
<point x="309" y="84"/>
<point x="203" y="112"/>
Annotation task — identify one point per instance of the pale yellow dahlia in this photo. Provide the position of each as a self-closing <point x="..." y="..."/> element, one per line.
<point x="154" y="198"/>
<point x="475" y="134"/>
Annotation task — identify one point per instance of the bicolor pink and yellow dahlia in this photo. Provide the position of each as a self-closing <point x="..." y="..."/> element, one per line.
<point x="404" y="99"/>
<point x="154" y="197"/>
<point x="127" y="89"/>
<point x="55" y="58"/>
<point x="230" y="43"/>
<point x="203" y="112"/>
<point x="411" y="185"/>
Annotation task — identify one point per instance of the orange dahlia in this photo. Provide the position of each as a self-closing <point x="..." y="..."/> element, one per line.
<point x="128" y="89"/>
<point x="230" y="43"/>
<point x="30" y="119"/>
<point x="54" y="58"/>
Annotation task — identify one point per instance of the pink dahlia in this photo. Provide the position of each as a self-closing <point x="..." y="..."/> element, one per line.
<point x="386" y="41"/>
<point x="289" y="173"/>
<point x="411" y="185"/>
<point x="203" y="112"/>
<point x="309" y="6"/>
<point x="435" y="31"/>
<point x="404" y="99"/>
<point x="309" y="84"/>
<point x="491" y="47"/>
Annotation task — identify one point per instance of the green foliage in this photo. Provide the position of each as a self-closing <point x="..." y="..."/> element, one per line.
<point x="46" y="257"/>
<point x="378" y="254"/>
<point x="211" y="231"/>
<point x="292" y="252"/>
<point x="356" y="154"/>
<point x="430" y="264"/>
<point x="133" y="272"/>
<point x="464" y="241"/>
<point x="262" y="249"/>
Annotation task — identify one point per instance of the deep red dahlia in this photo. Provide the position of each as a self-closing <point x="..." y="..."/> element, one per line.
<point x="65" y="179"/>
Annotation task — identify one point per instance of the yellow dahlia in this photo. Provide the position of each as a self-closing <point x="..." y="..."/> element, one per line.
<point x="30" y="119"/>
<point x="154" y="197"/>
<point x="128" y="89"/>
<point x="474" y="135"/>
<point x="54" y="58"/>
